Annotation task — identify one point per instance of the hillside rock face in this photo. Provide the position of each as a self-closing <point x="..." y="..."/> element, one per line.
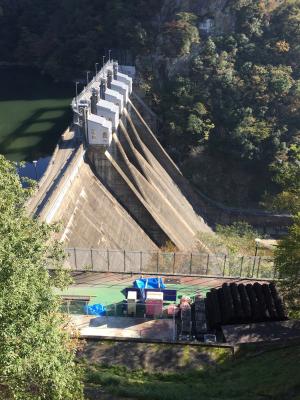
<point x="214" y="17"/>
<point x="217" y="10"/>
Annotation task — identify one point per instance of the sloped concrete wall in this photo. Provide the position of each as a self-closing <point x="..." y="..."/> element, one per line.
<point x="92" y="217"/>
<point x="157" y="152"/>
<point x="125" y="196"/>
<point x="161" y="209"/>
<point x="136" y="177"/>
<point x="116" y="177"/>
<point x="159" y="177"/>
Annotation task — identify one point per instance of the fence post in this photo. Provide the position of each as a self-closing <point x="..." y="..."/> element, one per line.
<point x="107" y="260"/>
<point x="191" y="263"/>
<point x="92" y="261"/>
<point x="124" y="260"/>
<point x="254" y="262"/>
<point x="274" y="273"/>
<point x="174" y="260"/>
<point x="248" y="270"/>
<point x="75" y="258"/>
<point x="259" y="260"/>
<point x="141" y="261"/>
<point x="207" y="264"/>
<point x="242" y="261"/>
<point x="224" y="266"/>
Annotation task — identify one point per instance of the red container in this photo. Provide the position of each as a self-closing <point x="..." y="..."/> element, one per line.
<point x="154" y="303"/>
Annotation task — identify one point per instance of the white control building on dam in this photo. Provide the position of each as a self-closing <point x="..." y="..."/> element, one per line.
<point x="98" y="109"/>
<point x="118" y="189"/>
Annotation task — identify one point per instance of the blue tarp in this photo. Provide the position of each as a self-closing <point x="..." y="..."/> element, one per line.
<point x="149" y="283"/>
<point x="95" y="309"/>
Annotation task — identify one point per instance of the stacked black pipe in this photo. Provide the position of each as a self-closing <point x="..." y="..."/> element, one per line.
<point x="237" y="304"/>
<point x="186" y="318"/>
<point x="199" y="316"/>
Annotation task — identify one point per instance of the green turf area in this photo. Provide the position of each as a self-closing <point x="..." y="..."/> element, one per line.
<point x="271" y="375"/>
<point x="34" y="112"/>
<point x="100" y="294"/>
<point x="112" y="293"/>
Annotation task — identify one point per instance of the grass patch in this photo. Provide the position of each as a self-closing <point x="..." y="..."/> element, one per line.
<point x="271" y="375"/>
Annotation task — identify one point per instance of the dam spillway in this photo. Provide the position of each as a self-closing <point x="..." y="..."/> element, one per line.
<point x="120" y="189"/>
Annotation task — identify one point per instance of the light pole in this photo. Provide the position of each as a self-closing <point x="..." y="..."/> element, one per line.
<point x="87" y="77"/>
<point x="85" y="126"/>
<point x="109" y="52"/>
<point x="35" y="169"/>
<point x="96" y="65"/>
<point x="76" y="88"/>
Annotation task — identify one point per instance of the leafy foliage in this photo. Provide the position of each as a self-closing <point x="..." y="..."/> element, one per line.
<point x="235" y="239"/>
<point x="248" y="83"/>
<point x="287" y="169"/>
<point x="36" y="355"/>
<point x="179" y="35"/>
<point x="64" y="38"/>
<point x="287" y="261"/>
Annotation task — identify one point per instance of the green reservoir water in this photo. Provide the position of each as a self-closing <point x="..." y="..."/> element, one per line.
<point x="34" y="112"/>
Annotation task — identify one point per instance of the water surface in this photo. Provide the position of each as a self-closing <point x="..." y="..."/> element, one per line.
<point x="34" y="111"/>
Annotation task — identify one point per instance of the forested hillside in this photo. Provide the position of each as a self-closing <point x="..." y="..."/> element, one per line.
<point x="223" y="76"/>
<point x="64" y="38"/>
<point x="230" y="102"/>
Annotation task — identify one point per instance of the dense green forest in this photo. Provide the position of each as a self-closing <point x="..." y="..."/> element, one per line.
<point x="64" y="38"/>
<point x="228" y="99"/>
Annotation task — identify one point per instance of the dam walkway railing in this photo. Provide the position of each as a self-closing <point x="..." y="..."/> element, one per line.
<point x="170" y="263"/>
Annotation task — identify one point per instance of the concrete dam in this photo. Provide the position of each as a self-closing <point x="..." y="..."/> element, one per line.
<point x="110" y="184"/>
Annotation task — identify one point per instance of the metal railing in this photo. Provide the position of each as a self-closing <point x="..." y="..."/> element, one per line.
<point x="86" y="90"/>
<point x="170" y="263"/>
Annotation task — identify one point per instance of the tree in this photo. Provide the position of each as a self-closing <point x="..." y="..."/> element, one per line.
<point x="36" y="354"/>
<point x="250" y="16"/>
<point x="198" y="123"/>
<point x="249" y="133"/>
<point x="287" y="176"/>
<point x="180" y="34"/>
<point x="287" y="263"/>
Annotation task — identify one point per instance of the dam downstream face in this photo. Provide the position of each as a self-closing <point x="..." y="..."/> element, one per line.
<point x="118" y="189"/>
<point x="122" y="198"/>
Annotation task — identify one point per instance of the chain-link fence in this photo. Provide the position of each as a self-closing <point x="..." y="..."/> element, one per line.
<point x="164" y="263"/>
